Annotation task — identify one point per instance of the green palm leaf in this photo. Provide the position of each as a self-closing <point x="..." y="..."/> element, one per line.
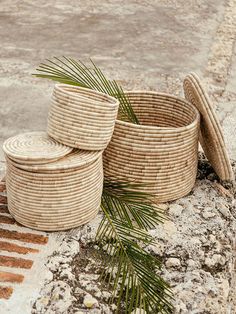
<point x="69" y="71"/>
<point x="131" y="272"/>
<point x="123" y="200"/>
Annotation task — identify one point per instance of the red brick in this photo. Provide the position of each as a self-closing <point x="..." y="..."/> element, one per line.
<point x="11" y="247"/>
<point x="3" y="199"/>
<point x="9" y="261"/>
<point x="24" y="237"/>
<point x="2" y="186"/>
<point x="4" y="209"/>
<point x="5" y="292"/>
<point x="9" y="277"/>
<point x="7" y="220"/>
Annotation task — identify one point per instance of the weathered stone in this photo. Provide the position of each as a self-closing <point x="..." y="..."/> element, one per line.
<point x="173" y="262"/>
<point x="90" y="302"/>
<point x="208" y="212"/>
<point x="175" y="210"/>
<point x="223" y="209"/>
<point x="215" y="260"/>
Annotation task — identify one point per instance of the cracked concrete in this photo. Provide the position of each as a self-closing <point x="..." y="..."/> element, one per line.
<point x="142" y="43"/>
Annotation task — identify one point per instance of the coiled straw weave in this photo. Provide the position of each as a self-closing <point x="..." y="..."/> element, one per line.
<point x="161" y="152"/>
<point x="211" y="136"/>
<point x="57" y="195"/>
<point x="81" y="118"/>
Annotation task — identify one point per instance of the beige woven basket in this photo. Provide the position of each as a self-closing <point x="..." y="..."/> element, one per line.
<point x="51" y="195"/>
<point x="211" y="133"/>
<point x="81" y="118"/>
<point x="54" y="201"/>
<point x="161" y="152"/>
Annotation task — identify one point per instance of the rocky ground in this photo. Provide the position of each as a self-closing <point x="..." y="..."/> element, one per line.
<point x="196" y="246"/>
<point x="144" y="44"/>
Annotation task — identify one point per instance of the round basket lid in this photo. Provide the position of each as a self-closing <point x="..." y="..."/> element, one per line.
<point x="75" y="159"/>
<point x="34" y="147"/>
<point x="211" y="137"/>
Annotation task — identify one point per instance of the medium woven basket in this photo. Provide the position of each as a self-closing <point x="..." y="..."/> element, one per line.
<point x="160" y="153"/>
<point x="48" y="194"/>
<point x="57" y="199"/>
<point x="81" y="118"/>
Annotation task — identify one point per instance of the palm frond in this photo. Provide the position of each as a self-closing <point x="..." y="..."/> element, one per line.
<point x="124" y="200"/>
<point x="129" y="269"/>
<point x="69" y="71"/>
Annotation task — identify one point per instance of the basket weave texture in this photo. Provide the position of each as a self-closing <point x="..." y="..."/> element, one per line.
<point x="81" y="118"/>
<point x="57" y="195"/>
<point x="161" y="152"/>
<point x="34" y="147"/>
<point x="211" y="135"/>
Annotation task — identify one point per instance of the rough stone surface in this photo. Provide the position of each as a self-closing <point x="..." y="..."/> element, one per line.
<point x="196" y="246"/>
<point x="144" y="45"/>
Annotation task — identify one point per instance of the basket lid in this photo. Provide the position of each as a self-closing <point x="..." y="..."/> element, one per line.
<point x="77" y="158"/>
<point x="211" y="135"/>
<point x="34" y="148"/>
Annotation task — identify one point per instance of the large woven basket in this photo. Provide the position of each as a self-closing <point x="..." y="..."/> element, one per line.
<point x="57" y="195"/>
<point x="55" y="200"/>
<point x="81" y="118"/>
<point x="161" y="152"/>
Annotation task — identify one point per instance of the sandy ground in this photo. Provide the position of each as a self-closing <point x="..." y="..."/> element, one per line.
<point x="143" y="44"/>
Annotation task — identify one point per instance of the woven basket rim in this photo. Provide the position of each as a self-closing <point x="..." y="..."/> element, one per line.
<point x="84" y="108"/>
<point x="96" y="132"/>
<point x="150" y="127"/>
<point x="93" y="145"/>
<point x="223" y="167"/>
<point x="60" y="164"/>
<point x="38" y="158"/>
<point x="112" y="101"/>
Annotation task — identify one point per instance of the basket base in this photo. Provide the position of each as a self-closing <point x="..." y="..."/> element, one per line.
<point x="58" y="227"/>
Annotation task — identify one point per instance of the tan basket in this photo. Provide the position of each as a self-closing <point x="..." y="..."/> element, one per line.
<point x="34" y="148"/>
<point x="161" y="152"/>
<point x="58" y="195"/>
<point x="211" y="134"/>
<point x="81" y="118"/>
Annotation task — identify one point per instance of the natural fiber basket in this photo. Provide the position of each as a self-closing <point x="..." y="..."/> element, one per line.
<point x="211" y="133"/>
<point x="53" y="200"/>
<point x="81" y="118"/>
<point x="56" y="195"/>
<point x="160" y="154"/>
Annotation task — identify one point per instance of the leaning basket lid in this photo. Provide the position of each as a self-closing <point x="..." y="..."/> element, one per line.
<point x="211" y="137"/>
<point x="34" y="148"/>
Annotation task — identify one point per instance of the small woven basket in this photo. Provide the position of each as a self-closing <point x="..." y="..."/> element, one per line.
<point x="81" y="118"/>
<point x="161" y="152"/>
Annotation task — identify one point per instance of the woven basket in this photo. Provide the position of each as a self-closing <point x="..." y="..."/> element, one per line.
<point x="48" y="194"/>
<point x="161" y="152"/>
<point x="53" y="200"/>
<point x="211" y="133"/>
<point x="81" y="118"/>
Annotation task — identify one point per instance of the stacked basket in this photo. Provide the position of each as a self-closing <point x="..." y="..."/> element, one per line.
<point x="160" y="154"/>
<point x="50" y="185"/>
<point x="81" y="118"/>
